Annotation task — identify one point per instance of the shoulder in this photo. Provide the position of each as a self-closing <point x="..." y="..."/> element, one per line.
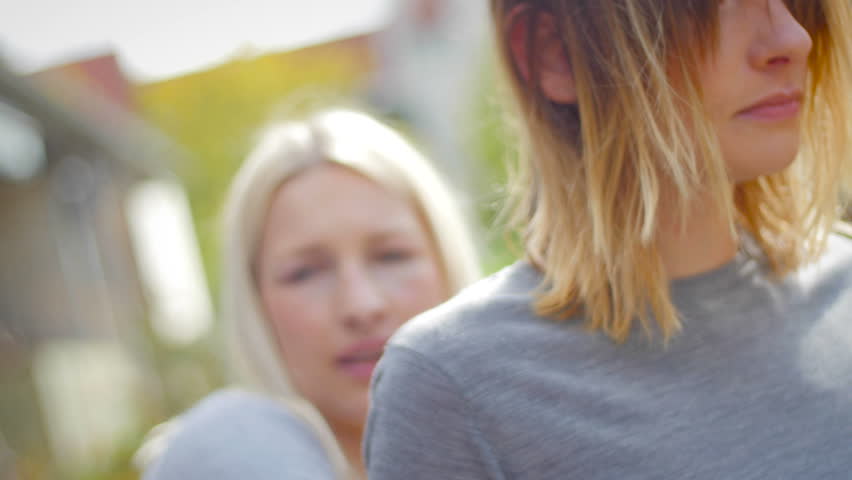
<point x="237" y="434"/>
<point x="839" y="248"/>
<point x="231" y="401"/>
<point x="434" y="387"/>
<point x="237" y="411"/>
<point x="833" y="269"/>
<point x="467" y="343"/>
<point x="482" y="309"/>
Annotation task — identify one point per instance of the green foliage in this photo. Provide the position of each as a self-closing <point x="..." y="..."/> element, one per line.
<point x="214" y="116"/>
<point x="491" y="143"/>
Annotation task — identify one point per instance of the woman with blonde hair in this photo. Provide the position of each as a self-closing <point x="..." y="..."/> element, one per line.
<point x="684" y="309"/>
<point x="336" y="232"/>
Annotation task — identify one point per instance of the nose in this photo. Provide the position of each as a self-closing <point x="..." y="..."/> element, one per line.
<point x="784" y="40"/>
<point x="362" y="300"/>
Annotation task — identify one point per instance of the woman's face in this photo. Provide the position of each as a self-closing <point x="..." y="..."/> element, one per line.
<point x="342" y="263"/>
<point x="753" y="85"/>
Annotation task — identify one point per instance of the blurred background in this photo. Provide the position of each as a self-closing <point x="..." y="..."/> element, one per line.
<point x="121" y="124"/>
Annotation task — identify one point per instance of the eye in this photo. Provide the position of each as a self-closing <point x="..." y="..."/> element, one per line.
<point x="299" y="274"/>
<point x="394" y="255"/>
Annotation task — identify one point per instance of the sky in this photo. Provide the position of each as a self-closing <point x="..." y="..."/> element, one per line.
<point x="159" y="39"/>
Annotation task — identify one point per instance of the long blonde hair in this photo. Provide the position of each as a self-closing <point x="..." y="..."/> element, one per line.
<point x="356" y="141"/>
<point x="592" y="175"/>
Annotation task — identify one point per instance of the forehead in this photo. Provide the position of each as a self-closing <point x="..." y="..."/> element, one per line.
<point x="332" y="203"/>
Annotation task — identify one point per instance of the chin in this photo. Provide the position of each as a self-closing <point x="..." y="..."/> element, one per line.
<point x="761" y="162"/>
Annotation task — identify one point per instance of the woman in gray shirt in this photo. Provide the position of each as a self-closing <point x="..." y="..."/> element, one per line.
<point x="683" y="310"/>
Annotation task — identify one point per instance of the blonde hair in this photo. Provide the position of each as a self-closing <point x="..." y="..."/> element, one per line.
<point x="593" y="174"/>
<point x="356" y="141"/>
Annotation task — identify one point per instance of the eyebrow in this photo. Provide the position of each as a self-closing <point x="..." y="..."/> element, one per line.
<point x="304" y="251"/>
<point x="391" y="233"/>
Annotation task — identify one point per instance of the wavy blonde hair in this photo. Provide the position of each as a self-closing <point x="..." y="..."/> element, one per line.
<point x="592" y="175"/>
<point x="356" y="141"/>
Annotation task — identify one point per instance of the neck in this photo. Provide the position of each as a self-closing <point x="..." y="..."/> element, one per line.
<point x="702" y="243"/>
<point x="349" y="440"/>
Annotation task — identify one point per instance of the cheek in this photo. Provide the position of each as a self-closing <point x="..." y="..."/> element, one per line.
<point x="416" y="289"/>
<point x="750" y="149"/>
<point x="293" y="315"/>
<point x="754" y="151"/>
<point x="302" y="328"/>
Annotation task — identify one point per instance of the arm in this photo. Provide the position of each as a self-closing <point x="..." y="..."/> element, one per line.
<point x="420" y="425"/>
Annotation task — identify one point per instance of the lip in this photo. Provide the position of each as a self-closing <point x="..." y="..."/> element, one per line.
<point x="359" y="359"/>
<point x="779" y="106"/>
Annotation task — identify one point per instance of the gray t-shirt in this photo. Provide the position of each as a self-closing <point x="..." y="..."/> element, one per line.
<point x="757" y="386"/>
<point x="234" y="435"/>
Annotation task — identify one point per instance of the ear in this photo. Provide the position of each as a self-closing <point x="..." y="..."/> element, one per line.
<point x="534" y="42"/>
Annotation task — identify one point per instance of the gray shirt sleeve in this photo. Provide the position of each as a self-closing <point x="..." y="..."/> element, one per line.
<point x="237" y="435"/>
<point x="420" y="426"/>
